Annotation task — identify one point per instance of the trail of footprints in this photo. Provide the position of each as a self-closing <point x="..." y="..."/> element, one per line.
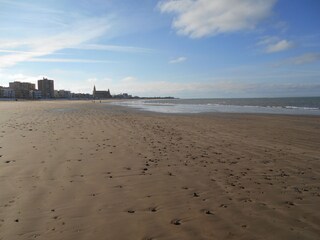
<point x="199" y="157"/>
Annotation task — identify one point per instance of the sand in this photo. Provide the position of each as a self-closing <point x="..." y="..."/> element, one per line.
<point x="83" y="170"/>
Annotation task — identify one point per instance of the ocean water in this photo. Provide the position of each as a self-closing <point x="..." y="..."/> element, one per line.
<point x="294" y="106"/>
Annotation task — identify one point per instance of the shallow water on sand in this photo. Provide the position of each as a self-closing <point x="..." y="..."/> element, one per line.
<point x="294" y="106"/>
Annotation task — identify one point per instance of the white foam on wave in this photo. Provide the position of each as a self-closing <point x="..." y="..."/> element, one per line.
<point x="305" y="108"/>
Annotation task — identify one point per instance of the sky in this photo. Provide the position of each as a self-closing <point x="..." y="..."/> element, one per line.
<point x="180" y="48"/>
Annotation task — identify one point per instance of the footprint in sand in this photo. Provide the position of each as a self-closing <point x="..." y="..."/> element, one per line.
<point x="208" y="212"/>
<point x="289" y="203"/>
<point x="176" y="222"/>
<point x="153" y="209"/>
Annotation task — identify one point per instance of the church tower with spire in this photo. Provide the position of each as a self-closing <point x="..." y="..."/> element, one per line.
<point x="94" y="91"/>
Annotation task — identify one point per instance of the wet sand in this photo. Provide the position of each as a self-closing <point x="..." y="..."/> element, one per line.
<point x="83" y="170"/>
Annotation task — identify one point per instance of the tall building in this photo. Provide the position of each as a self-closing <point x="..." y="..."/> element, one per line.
<point x="22" y="89"/>
<point x="101" y="94"/>
<point x="46" y="87"/>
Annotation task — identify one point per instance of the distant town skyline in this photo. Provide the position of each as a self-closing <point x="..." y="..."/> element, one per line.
<point x="181" y="48"/>
<point x="45" y="90"/>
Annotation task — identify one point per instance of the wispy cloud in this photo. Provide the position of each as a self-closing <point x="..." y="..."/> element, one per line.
<point x="178" y="60"/>
<point x="280" y="46"/>
<point x="68" y="60"/>
<point x="275" y="44"/>
<point x="200" y="18"/>
<point x="35" y="13"/>
<point x="73" y="36"/>
<point x="114" y="48"/>
<point x="19" y="77"/>
<point x="24" y="52"/>
<point x="29" y="7"/>
<point x="301" y="59"/>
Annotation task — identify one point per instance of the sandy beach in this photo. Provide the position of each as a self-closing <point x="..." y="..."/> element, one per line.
<point x="84" y="170"/>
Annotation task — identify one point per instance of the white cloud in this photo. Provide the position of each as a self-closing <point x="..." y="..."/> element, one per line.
<point x="272" y="44"/>
<point x="114" y="48"/>
<point x="77" y="33"/>
<point x="178" y="60"/>
<point x="300" y="60"/>
<point x="68" y="60"/>
<point x="30" y="7"/>
<point x="19" y="77"/>
<point x="279" y="46"/>
<point x="27" y="52"/>
<point x="200" y="18"/>
<point x="306" y="58"/>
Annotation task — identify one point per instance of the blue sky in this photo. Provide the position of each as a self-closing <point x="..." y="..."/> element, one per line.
<point x="182" y="48"/>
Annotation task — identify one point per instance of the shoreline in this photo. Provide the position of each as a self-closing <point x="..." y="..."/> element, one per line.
<point x="173" y="107"/>
<point x="259" y="110"/>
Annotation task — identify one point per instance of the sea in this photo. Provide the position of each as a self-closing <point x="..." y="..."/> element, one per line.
<point x="288" y="106"/>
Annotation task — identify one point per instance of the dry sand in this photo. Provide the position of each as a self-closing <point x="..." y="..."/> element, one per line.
<point x="79" y="170"/>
